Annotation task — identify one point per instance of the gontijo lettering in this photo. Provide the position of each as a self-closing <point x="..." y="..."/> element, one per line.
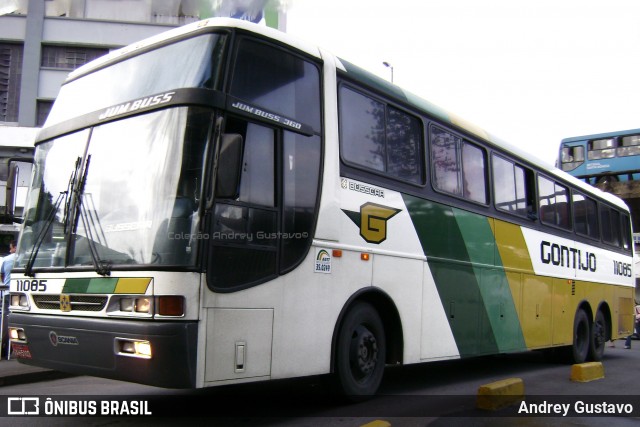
<point x="564" y="256"/>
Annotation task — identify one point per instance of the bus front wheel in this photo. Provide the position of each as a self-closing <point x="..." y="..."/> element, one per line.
<point x="360" y="353"/>
<point x="581" y="337"/>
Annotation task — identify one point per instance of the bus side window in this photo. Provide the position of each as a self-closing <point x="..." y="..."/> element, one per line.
<point x="379" y="137"/>
<point x="626" y="233"/>
<point x="458" y="166"/>
<point x="277" y="80"/>
<point x="513" y="187"/>
<point x="553" y="203"/>
<point x="611" y="228"/>
<point x="585" y="214"/>
<point x="602" y="149"/>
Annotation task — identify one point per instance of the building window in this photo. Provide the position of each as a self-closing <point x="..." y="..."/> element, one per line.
<point x="69" y="57"/>
<point x="42" y="111"/>
<point x="10" y="74"/>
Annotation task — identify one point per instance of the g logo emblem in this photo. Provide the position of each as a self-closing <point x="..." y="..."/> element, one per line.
<point x="373" y="222"/>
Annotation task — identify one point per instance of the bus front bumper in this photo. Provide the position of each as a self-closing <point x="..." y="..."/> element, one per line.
<point x="109" y="348"/>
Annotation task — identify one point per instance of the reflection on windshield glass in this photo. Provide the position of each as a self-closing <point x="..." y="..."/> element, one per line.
<point x="137" y="198"/>
<point x="194" y="62"/>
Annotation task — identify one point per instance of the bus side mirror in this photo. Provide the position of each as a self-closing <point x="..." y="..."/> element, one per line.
<point x="229" y="166"/>
<point x="12" y="188"/>
<point x="18" y="172"/>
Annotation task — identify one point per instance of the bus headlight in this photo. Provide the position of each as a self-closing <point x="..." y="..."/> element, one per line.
<point x="143" y="305"/>
<point x="19" y="300"/>
<point x="146" y="306"/>
<point x="17" y="334"/>
<point x="133" y="348"/>
<point x="138" y="305"/>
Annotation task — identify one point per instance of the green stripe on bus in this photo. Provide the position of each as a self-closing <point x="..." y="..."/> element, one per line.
<point x="499" y="302"/>
<point x="89" y="286"/>
<point x="455" y="277"/>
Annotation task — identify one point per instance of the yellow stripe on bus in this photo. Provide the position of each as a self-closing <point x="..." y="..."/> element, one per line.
<point x="132" y="285"/>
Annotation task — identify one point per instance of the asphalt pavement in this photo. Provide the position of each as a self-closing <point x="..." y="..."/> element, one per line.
<point x="13" y="372"/>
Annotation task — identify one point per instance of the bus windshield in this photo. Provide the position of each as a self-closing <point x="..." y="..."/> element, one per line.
<point x="191" y="63"/>
<point x="122" y="193"/>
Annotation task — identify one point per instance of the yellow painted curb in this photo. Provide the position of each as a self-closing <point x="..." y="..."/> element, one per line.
<point x="585" y="372"/>
<point x="377" y="423"/>
<point x="499" y="394"/>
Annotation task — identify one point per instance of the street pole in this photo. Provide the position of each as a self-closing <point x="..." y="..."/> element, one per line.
<point x="386" y="64"/>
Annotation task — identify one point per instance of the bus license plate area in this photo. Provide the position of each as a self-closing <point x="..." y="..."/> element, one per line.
<point x="20" y="351"/>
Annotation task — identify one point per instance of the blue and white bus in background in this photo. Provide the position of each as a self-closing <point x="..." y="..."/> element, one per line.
<point x="602" y="158"/>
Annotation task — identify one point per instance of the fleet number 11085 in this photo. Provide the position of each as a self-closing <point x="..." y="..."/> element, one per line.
<point x="35" y="285"/>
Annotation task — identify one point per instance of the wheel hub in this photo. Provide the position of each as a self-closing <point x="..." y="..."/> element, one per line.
<point x="364" y="352"/>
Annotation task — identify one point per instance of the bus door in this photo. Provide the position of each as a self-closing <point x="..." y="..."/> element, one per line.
<point x="261" y="211"/>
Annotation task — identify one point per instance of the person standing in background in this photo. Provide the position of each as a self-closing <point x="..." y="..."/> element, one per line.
<point x="5" y="274"/>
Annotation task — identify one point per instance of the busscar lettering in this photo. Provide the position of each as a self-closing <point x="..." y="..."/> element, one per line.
<point x="564" y="256"/>
<point x="136" y="105"/>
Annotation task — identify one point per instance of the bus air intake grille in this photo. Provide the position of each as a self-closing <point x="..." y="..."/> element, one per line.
<point x="78" y="302"/>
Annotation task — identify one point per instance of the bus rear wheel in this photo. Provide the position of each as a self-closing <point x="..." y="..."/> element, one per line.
<point x="598" y="337"/>
<point x="581" y="337"/>
<point x="360" y="353"/>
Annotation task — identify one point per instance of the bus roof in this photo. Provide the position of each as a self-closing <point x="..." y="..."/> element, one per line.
<point x="357" y="73"/>
<point x="433" y="110"/>
<point x="194" y="28"/>
<point x="602" y="135"/>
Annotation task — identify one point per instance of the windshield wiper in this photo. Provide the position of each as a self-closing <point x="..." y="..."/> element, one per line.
<point x="28" y="271"/>
<point x="51" y="217"/>
<point x="68" y="201"/>
<point x="89" y="223"/>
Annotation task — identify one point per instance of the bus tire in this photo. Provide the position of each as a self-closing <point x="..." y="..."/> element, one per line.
<point x="360" y="353"/>
<point x="581" y="337"/>
<point x="598" y="337"/>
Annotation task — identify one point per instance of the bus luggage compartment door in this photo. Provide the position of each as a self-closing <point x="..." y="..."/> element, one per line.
<point x="238" y="344"/>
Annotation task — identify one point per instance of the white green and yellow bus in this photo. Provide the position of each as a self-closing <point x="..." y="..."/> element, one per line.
<point x="223" y="204"/>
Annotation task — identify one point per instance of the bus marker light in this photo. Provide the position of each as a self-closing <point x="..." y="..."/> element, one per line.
<point x="337" y="253"/>
<point x="364" y="257"/>
<point x="171" y="306"/>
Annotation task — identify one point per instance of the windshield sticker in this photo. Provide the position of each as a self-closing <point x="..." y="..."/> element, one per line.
<point x="138" y="104"/>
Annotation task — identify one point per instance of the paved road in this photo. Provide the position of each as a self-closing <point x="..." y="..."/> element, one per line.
<point x="436" y="394"/>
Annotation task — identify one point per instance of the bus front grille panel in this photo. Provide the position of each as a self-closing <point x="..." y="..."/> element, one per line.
<point x="78" y="302"/>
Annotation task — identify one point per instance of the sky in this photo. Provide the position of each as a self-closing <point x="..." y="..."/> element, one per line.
<point x="528" y="72"/>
